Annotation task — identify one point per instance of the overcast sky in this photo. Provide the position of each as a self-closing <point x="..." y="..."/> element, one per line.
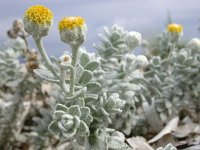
<point x="146" y="16"/>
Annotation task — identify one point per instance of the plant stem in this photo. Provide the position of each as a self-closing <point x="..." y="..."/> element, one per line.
<point x="73" y="70"/>
<point x="25" y="39"/>
<point x="62" y="79"/>
<point x="49" y="65"/>
<point x="45" y="56"/>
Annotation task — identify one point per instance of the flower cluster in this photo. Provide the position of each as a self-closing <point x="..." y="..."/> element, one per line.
<point x="175" y="28"/>
<point x="39" y="14"/>
<point x="37" y="21"/>
<point x="70" y="23"/>
<point x="72" y="30"/>
<point x="175" y="31"/>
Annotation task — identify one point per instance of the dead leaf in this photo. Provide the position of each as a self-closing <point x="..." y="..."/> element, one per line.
<point x="171" y="126"/>
<point x="186" y="128"/>
<point x="166" y="139"/>
<point x="138" y="143"/>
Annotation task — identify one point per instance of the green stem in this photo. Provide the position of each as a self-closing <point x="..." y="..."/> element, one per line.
<point x="49" y="65"/>
<point x="62" y="80"/>
<point x="172" y="47"/>
<point x="73" y="70"/>
<point x="45" y="56"/>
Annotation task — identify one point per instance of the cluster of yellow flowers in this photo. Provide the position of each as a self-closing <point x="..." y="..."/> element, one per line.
<point x="39" y="14"/>
<point x="175" y="28"/>
<point x="42" y="15"/>
<point x="70" y="22"/>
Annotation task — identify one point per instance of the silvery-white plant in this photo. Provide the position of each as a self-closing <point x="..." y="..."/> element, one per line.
<point x="84" y="115"/>
<point x="10" y="67"/>
<point x="10" y="79"/>
<point x="84" y="100"/>
<point x="160" y="46"/>
<point x="124" y="71"/>
<point x="11" y="107"/>
<point x="17" y="85"/>
<point x="185" y="72"/>
<point x="160" y="81"/>
<point x="173" y="80"/>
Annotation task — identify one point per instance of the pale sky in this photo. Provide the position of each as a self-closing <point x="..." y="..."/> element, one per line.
<point x="145" y="16"/>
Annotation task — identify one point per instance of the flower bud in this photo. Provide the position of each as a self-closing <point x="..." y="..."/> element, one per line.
<point x="18" y="25"/>
<point x="133" y="39"/>
<point x="182" y="55"/>
<point x="65" y="58"/>
<point x="72" y="30"/>
<point x="37" y="21"/>
<point x="175" y="32"/>
<point x="194" y="45"/>
<point x="130" y="58"/>
<point x="141" y="61"/>
<point x="155" y="61"/>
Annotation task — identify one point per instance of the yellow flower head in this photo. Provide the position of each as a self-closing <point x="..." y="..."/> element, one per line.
<point x="70" y="23"/>
<point x="175" y="28"/>
<point x="39" y="14"/>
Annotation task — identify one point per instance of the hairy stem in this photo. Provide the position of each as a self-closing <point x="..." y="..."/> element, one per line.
<point x="45" y="56"/>
<point x="172" y="47"/>
<point x="73" y="70"/>
<point x="62" y="79"/>
<point x="49" y="65"/>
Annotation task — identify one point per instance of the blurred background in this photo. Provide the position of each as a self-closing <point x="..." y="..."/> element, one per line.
<point x="149" y="17"/>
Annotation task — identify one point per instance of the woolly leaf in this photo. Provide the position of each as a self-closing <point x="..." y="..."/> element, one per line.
<point x="84" y="59"/>
<point x="115" y="36"/>
<point x="45" y="75"/>
<point x="85" y="111"/>
<point x="53" y="127"/>
<point x="110" y="104"/>
<point x="83" y="128"/>
<point x="62" y="107"/>
<point x="78" y="93"/>
<point x="93" y="86"/>
<point x="57" y="115"/>
<point x="79" y="72"/>
<point x="76" y="122"/>
<point x="90" y="98"/>
<point x="75" y="110"/>
<point x="85" y="77"/>
<point x="88" y="120"/>
<point x="80" y="102"/>
<point x="112" y="49"/>
<point x="93" y="65"/>
<point x="69" y="134"/>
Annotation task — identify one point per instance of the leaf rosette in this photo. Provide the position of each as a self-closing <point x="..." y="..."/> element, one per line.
<point x="72" y="121"/>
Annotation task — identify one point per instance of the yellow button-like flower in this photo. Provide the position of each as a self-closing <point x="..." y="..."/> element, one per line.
<point x="37" y="21"/>
<point x="72" y="30"/>
<point x="70" y="23"/>
<point x="39" y="14"/>
<point x="175" y="28"/>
